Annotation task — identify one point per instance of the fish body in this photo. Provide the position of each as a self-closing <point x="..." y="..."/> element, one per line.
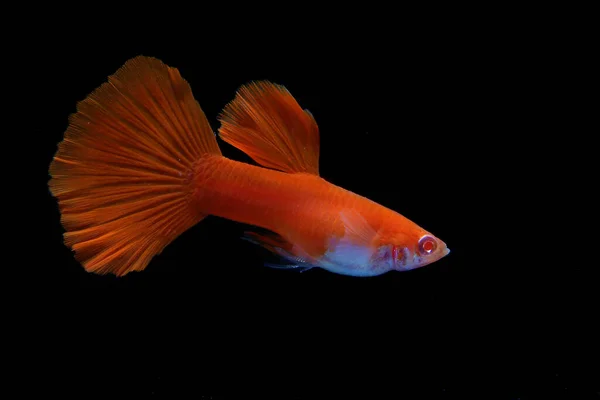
<point x="139" y="165"/>
<point x="311" y="215"/>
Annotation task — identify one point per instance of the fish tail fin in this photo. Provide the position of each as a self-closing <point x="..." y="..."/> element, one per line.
<point x="123" y="173"/>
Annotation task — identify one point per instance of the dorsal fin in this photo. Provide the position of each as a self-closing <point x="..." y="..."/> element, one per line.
<point x="265" y="122"/>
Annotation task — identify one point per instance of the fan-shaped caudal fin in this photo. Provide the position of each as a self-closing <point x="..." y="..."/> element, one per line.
<point x="122" y="174"/>
<point x="265" y="122"/>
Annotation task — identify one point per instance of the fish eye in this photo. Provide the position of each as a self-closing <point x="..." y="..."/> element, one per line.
<point x="427" y="245"/>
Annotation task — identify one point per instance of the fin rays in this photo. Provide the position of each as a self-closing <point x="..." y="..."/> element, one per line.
<point x="123" y="172"/>
<point x="265" y="121"/>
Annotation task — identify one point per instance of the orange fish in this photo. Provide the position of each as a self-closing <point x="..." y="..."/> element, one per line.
<point x="139" y="164"/>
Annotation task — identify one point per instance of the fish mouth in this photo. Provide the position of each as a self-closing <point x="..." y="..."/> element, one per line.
<point x="443" y="253"/>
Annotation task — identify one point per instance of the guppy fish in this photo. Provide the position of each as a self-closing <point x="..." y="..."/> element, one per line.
<point x="139" y="165"/>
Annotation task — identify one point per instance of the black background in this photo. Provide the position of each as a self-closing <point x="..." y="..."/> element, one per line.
<point x="433" y="122"/>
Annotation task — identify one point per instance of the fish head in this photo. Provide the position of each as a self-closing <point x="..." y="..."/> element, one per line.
<point x="408" y="246"/>
<point x="423" y="251"/>
<point x="367" y="249"/>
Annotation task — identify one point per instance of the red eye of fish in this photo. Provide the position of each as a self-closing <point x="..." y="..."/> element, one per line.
<point x="427" y="245"/>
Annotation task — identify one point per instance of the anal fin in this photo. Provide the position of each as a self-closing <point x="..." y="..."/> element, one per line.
<point x="297" y="267"/>
<point x="295" y="257"/>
